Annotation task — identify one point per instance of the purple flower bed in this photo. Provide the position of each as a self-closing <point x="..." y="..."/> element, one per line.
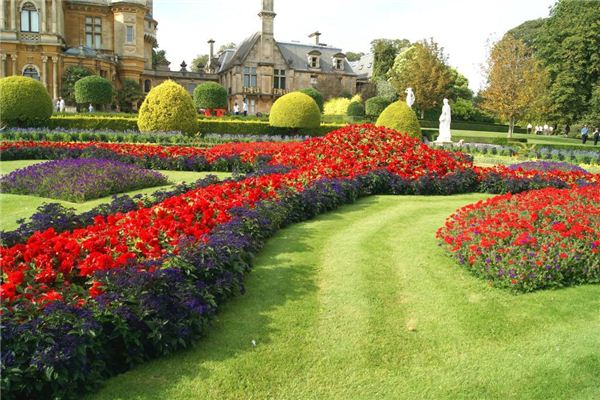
<point x="79" y="180"/>
<point x="547" y="166"/>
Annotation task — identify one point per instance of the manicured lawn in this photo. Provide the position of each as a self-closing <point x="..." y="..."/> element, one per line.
<point x="531" y="139"/>
<point x="362" y="304"/>
<point x="14" y="207"/>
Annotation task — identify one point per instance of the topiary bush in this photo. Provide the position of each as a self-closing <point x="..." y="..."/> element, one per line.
<point x="93" y="89"/>
<point x="399" y="117"/>
<point x="210" y="95"/>
<point x="24" y="102"/>
<point x="375" y="106"/>
<point x="295" y="110"/>
<point x="355" y="109"/>
<point x="316" y="95"/>
<point x="168" y="107"/>
<point x="336" y="106"/>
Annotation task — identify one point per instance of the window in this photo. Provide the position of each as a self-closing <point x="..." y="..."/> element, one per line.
<point x="314" y="62"/>
<point x="93" y="32"/>
<point x="249" y="77"/>
<point x="130" y="37"/>
<point x="339" y="64"/>
<point x="147" y="85"/>
<point x="313" y="79"/>
<point x="279" y="82"/>
<point x="31" y="72"/>
<point x="103" y="73"/>
<point x="30" y="18"/>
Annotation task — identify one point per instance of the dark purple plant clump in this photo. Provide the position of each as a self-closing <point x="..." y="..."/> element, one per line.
<point x="545" y="166"/>
<point x="79" y="180"/>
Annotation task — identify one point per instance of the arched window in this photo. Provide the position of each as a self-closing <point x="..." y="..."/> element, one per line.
<point x="31" y="72"/>
<point x="30" y="18"/>
<point x="147" y="85"/>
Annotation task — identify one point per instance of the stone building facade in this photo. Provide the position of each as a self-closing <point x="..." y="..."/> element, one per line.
<point x="111" y="38"/>
<point x="261" y="69"/>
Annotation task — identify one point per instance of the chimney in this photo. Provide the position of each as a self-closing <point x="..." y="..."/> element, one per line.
<point x="316" y="35"/>
<point x="267" y="16"/>
<point x="211" y="54"/>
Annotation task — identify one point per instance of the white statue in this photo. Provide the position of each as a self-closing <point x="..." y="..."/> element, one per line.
<point x="410" y="97"/>
<point x="445" y="136"/>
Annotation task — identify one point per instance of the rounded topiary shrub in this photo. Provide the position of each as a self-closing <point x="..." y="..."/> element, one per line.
<point x="93" y="89"/>
<point x="316" y="95"/>
<point x="375" y="106"/>
<point x="295" y="110"/>
<point x="355" y="109"/>
<point x="399" y="117"/>
<point x="210" y="95"/>
<point x="168" y="107"/>
<point x="24" y="102"/>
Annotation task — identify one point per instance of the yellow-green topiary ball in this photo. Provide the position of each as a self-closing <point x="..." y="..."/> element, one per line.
<point x="168" y="107"/>
<point x="24" y="102"/>
<point x="295" y="110"/>
<point x="399" y="117"/>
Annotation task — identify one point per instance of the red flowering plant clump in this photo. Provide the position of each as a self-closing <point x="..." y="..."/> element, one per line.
<point x="533" y="240"/>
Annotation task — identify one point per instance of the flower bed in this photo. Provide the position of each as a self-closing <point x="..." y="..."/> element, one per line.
<point x="79" y="180"/>
<point x="539" y="239"/>
<point x="546" y="166"/>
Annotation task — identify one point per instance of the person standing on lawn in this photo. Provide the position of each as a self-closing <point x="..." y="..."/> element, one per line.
<point x="584" y="134"/>
<point x="596" y="136"/>
<point x="529" y="128"/>
<point x="245" y="107"/>
<point x="236" y="109"/>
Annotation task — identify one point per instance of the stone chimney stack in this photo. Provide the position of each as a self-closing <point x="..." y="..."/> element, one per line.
<point x="268" y="16"/>
<point x="211" y="53"/>
<point x="317" y="36"/>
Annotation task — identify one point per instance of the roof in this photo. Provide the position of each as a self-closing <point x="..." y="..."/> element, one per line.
<point x="240" y="53"/>
<point x="295" y="55"/>
<point x="363" y="67"/>
<point x="87" y="52"/>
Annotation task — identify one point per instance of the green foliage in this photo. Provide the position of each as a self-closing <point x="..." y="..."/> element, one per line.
<point x="245" y="127"/>
<point x="375" y="106"/>
<point x="159" y="57"/>
<point x="93" y="89"/>
<point x="210" y="95"/>
<point x="352" y="56"/>
<point x="93" y="122"/>
<point x="168" y="107"/>
<point x="386" y="90"/>
<point x="24" y="102"/>
<point x="399" y="117"/>
<point x="336" y="106"/>
<point x="295" y="110"/>
<point x="384" y="53"/>
<point x="129" y="94"/>
<point x="316" y="95"/>
<point x="593" y="116"/>
<point x="355" y="109"/>
<point x="458" y="87"/>
<point x="199" y="63"/>
<point x="71" y="75"/>
<point x="529" y="32"/>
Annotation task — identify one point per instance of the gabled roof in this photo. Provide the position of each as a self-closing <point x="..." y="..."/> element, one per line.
<point x="295" y="55"/>
<point x="240" y="53"/>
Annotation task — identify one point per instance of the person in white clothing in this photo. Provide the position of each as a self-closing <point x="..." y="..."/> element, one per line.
<point x="236" y="109"/>
<point x="62" y="105"/>
<point x="245" y="107"/>
<point x="91" y="108"/>
<point x="529" y="128"/>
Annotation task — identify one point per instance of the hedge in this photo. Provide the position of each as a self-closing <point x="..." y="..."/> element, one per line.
<point x="93" y="89"/>
<point x="295" y="110"/>
<point x="24" y="102"/>
<point x="168" y="107"/>
<point x="471" y="126"/>
<point x="210" y="95"/>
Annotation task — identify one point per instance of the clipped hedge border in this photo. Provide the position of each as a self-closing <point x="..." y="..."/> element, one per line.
<point x="108" y="136"/>
<point x="472" y="126"/>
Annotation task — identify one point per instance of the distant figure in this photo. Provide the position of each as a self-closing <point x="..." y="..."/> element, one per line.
<point x="546" y="129"/>
<point x="445" y="135"/>
<point x="584" y="134"/>
<point x="529" y="128"/>
<point x="567" y="130"/>
<point x="410" y="97"/>
<point x="551" y="131"/>
<point x="245" y="107"/>
<point x="596" y="136"/>
<point x="62" y="105"/>
<point x="57" y="106"/>
<point x="91" y="108"/>
<point x="236" y="109"/>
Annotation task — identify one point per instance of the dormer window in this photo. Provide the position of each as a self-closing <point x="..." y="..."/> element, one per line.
<point x="314" y="59"/>
<point x="338" y="61"/>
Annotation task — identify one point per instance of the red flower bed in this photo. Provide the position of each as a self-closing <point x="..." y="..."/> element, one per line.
<point x="538" y="239"/>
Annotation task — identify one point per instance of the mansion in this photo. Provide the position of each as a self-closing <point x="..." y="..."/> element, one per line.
<point x="115" y="38"/>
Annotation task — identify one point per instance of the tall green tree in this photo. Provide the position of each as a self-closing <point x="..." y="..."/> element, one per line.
<point x="422" y="67"/>
<point x="516" y="81"/>
<point x="458" y="87"/>
<point x="158" y="57"/>
<point x="199" y="63"/>
<point x="352" y="56"/>
<point x="71" y="75"/>
<point x="569" y="46"/>
<point x="384" y="53"/>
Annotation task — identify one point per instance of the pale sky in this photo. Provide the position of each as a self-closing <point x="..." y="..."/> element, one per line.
<point x="462" y="27"/>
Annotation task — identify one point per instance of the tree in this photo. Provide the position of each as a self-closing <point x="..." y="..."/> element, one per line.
<point x="384" y="53"/>
<point x="351" y="56"/>
<point x="130" y="93"/>
<point x="459" y="86"/>
<point x="70" y="77"/>
<point x="516" y="81"/>
<point x="329" y="86"/>
<point x="529" y="32"/>
<point x="210" y="95"/>
<point x="386" y="90"/>
<point x="422" y="67"/>
<point x="159" y="57"/>
<point x="94" y="90"/>
<point x="199" y="63"/>
<point x="227" y="46"/>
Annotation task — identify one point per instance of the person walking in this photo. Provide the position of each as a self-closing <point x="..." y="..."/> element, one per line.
<point x="245" y="106"/>
<point x="236" y="109"/>
<point x="567" y="130"/>
<point x="62" y="105"/>
<point x="584" y="134"/>
<point x="91" y="108"/>
<point x="596" y="136"/>
<point x="57" y="106"/>
<point x="529" y="128"/>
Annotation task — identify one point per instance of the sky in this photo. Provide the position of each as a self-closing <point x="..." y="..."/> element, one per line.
<point x="462" y="27"/>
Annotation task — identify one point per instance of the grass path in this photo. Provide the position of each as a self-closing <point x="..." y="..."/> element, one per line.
<point x="13" y="207"/>
<point x="362" y="304"/>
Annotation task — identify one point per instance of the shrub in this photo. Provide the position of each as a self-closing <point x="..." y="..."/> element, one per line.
<point x="336" y="106"/>
<point x="168" y="107"/>
<point x="93" y="89"/>
<point x="375" y="106"/>
<point x="399" y="117"/>
<point x="210" y="95"/>
<point x="24" y="102"/>
<point x="356" y="109"/>
<point x="70" y="77"/>
<point x="295" y="110"/>
<point x="316" y="95"/>
<point x="131" y="93"/>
